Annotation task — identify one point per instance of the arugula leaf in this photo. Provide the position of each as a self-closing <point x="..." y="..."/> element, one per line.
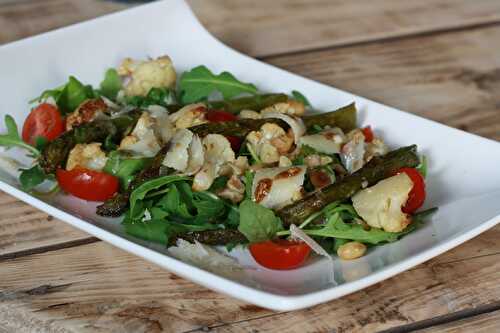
<point x="248" y="180"/>
<point x="124" y="168"/>
<point x="111" y="84"/>
<point x="257" y="222"/>
<point x="155" y="96"/>
<point x="218" y="184"/>
<point x="301" y="98"/>
<point x="30" y="178"/>
<point x="199" y="83"/>
<point x="422" y="167"/>
<point x="153" y="230"/>
<point x="209" y="207"/>
<point x="173" y="204"/>
<point x="54" y="93"/>
<point x="136" y="206"/>
<point x="73" y="94"/>
<point x="12" y="138"/>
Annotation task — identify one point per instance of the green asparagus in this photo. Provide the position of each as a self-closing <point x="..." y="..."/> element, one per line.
<point x="375" y="170"/>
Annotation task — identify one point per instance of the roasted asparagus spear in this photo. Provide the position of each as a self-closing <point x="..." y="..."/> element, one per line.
<point x="377" y="169"/>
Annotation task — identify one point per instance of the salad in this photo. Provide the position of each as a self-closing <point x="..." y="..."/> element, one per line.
<point x="207" y="159"/>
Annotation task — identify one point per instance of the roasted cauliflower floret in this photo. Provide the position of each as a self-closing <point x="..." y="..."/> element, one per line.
<point x="86" y="112"/>
<point x="315" y="160"/>
<point x="328" y="141"/>
<point x="381" y="205"/>
<point x="177" y="156"/>
<point x="234" y="190"/>
<point x="353" y="152"/>
<point x="249" y="114"/>
<point x="190" y="115"/>
<point x="143" y="140"/>
<point x="144" y="75"/>
<point x="218" y="152"/>
<point x="89" y="156"/>
<point x="269" y="143"/>
<point x="291" y="108"/>
<point x="376" y="147"/>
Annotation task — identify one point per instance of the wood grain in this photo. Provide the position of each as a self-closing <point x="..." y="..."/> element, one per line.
<point x="453" y="77"/>
<point x="97" y="287"/>
<point x="264" y="27"/>
<point x="485" y="323"/>
<point x="24" y="229"/>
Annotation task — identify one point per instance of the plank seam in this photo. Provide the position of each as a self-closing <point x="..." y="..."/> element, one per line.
<point x="388" y="39"/>
<point x="48" y="248"/>
<point x="445" y="319"/>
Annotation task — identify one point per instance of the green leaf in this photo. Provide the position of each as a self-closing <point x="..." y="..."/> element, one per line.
<point x="41" y="142"/>
<point x="155" y="96"/>
<point x="208" y="206"/>
<point x="173" y="204"/>
<point x="248" y="180"/>
<point x="257" y="222"/>
<point x="153" y="230"/>
<point x="54" y="93"/>
<point x="199" y="83"/>
<point x="12" y="138"/>
<point x="73" y="94"/>
<point x="140" y="192"/>
<point x="30" y="178"/>
<point x="111" y="84"/>
<point x="300" y="97"/>
<point x="124" y="168"/>
<point x="218" y="184"/>
<point x="422" y="167"/>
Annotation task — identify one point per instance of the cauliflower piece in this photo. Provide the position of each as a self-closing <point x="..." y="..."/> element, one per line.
<point x="376" y="147"/>
<point x="328" y="141"/>
<point x="238" y="167"/>
<point x="142" y="140"/>
<point x="315" y="160"/>
<point x="88" y="156"/>
<point x="218" y="152"/>
<point x="177" y="156"/>
<point x="353" y="152"/>
<point x="163" y="127"/>
<point x="261" y="142"/>
<point x="277" y="187"/>
<point x="380" y="205"/>
<point x="86" y="112"/>
<point x="284" y="162"/>
<point x="291" y="108"/>
<point x="234" y="190"/>
<point x="249" y="114"/>
<point x="145" y="75"/>
<point x="196" y="154"/>
<point x="190" y="115"/>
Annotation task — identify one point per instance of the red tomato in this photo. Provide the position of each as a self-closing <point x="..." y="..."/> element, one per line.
<point x="88" y="184"/>
<point x="416" y="197"/>
<point x="217" y="116"/>
<point x="235" y="142"/>
<point x="280" y="254"/>
<point x="368" y="133"/>
<point x="44" y="120"/>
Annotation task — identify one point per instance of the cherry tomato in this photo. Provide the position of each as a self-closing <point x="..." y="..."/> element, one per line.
<point x="368" y="133"/>
<point x="280" y="254"/>
<point x="44" y="120"/>
<point x="217" y="116"/>
<point x="88" y="184"/>
<point x="235" y="142"/>
<point x="416" y="197"/>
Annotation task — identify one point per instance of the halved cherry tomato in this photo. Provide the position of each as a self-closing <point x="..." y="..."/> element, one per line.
<point x="280" y="254"/>
<point x="45" y="120"/>
<point x="416" y="197"/>
<point x="88" y="184"/>
<point x="235" y="142"/>
<point x="368" y="133"/>
<point x="218" y="116"/>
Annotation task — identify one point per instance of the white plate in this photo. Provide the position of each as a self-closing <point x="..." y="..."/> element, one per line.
<point x="463" y="167"/>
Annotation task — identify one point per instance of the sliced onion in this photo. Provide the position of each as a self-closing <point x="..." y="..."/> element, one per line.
<point x="296" y="124"/>
<point x="297" y="233"/>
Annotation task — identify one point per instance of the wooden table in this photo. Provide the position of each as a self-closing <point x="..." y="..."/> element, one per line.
<point x="436" y="58"/>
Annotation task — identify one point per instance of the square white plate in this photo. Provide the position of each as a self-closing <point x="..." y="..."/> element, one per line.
<point x="464" y="179"/>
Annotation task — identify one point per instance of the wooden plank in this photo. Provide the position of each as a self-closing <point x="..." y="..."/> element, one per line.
<point x="97" y="287"/>
<point x="24" y="229"/>
<point x="485" y="323"/>
<point x="453" y="78"/>
<point x="264" y="27"/>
